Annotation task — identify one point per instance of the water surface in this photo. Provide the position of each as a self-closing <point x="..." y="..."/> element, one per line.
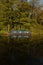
<point x="21" y="51"/>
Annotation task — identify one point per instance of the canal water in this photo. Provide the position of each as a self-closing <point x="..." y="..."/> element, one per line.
<point x="21" y="51"/>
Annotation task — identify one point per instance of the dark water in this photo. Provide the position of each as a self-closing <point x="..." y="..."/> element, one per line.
<point x="21" y="51"/>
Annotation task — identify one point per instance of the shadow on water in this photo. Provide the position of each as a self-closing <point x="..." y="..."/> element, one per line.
<point x="22" y="52"/>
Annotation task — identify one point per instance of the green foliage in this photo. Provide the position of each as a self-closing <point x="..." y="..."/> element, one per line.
<point x="13" y="13"/>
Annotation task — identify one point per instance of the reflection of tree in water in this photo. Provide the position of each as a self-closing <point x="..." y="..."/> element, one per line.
<point x="18" y="54"/>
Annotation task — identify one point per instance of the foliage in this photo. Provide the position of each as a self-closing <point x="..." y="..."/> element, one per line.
<point x="13" y="13"/>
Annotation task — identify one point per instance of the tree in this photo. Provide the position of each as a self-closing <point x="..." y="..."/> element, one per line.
<point x="34" y="3"/>
<point x="40" y="18"/>
<point x="8" y="12"/>
<point x="23" y="0"/>
<point x="35" y="8"/>
<point x="22" y="14"/>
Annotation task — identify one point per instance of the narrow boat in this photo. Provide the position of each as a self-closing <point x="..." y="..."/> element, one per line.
<point x="19" y="34"/>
